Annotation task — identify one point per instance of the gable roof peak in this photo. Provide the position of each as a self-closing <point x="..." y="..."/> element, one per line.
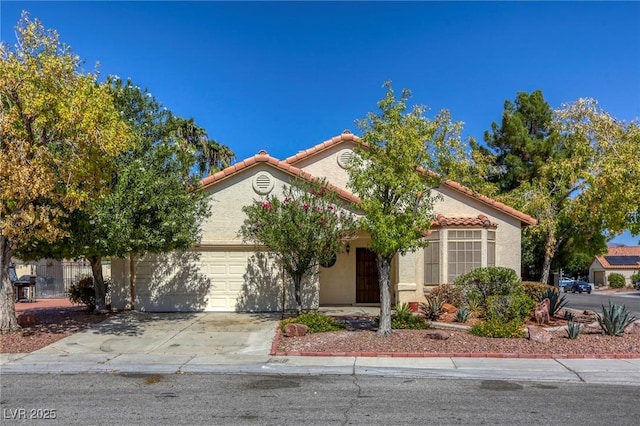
<point x="345" y="136"/>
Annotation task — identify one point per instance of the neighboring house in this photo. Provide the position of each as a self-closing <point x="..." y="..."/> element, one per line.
<point x="222" y="273"/>
<point x="622" y="260"/>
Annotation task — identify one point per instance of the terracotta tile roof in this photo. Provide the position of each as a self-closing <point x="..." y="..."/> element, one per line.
<point x="480" y="220"/>
<point x="347" y="136"/>
<point x="621" y="252"/>
<point x="263" y="158"/>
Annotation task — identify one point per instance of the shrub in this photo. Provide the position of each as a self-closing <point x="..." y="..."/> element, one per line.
<point x="498" y="328"/>
<point x="316" y="322"/>
<point x="516" y="306"/>
<point x="557" y="302"/>
<point x="84" y="293"/>
<point x="491" y="281"/>
<point x="616" y="280"/>
<point x="635" y="278"/>
<point x="536" y="290"/>
<point x="414" y="322"/>
<point x="614" y="320"/>
<point x="447" y="293"/>
<point x="403" y="318"/>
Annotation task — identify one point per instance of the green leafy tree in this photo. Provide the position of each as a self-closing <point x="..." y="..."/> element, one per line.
<point x="306" y="228"/>
<point x="523" y="142"/>
<point x="402" y="156"/>
<point x="59" y="136"/>
<point x="593" y="188"/>
<point x="542" y="166"/>
<point x="153" y="205"/>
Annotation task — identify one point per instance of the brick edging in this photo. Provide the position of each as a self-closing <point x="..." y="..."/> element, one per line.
<point x="275" y="352"/>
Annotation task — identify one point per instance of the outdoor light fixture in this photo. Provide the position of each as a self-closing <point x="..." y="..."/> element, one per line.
<point x="348" y="248"/>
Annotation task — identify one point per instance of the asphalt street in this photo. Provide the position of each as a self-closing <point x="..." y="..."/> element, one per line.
<point x="248" y="399"/>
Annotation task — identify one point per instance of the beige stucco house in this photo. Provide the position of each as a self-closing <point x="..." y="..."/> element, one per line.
<point x="222" y="273"/>
<point x="622" y="260"/>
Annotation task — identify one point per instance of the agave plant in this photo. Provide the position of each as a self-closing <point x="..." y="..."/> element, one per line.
<point x="573" y="329"/>
<point x="557" y="302"/>
<point x="615" y="319"/>
<point x="462" y="315"/>
<point x="432" y="308"/>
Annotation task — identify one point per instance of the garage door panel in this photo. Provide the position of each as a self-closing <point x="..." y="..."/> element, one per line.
<point x="216" y="281"/>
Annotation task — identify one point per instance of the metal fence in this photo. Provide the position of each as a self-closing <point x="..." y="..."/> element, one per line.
<point x="53" y="277"/>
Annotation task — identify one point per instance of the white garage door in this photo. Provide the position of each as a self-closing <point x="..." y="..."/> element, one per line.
<point x="226" y="271"/>
<point x="208" y="280"/>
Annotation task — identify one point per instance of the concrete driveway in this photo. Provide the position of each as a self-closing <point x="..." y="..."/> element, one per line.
<point x="173" y="334"/>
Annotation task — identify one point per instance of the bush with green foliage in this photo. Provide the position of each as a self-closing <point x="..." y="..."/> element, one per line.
<point x="536" y="290"/>
<point x="403" y="318"/>
<point x="615" y="319"/>
<point x="447" y="293"/>
<point x="486" y="282"/>
<point x="635" y="278"/>
<point x="616" y="280"/>
<point x="84" y="293"/>
<point x="498" y="328"/>
<point x="517" y="306"/>
<point x="316" y="321"/>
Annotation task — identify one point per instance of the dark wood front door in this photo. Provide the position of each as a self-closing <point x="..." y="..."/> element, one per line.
<point x="367" y="289"/>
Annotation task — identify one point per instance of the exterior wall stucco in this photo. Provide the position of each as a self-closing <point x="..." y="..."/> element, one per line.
<point x="226" y="200"/>
<point x="508" y="231"/>
<point x="325" y="165"/>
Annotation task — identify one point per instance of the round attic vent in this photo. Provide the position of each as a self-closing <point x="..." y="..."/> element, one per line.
<point x="263" y="183"/>
<point x="344" y="157"/>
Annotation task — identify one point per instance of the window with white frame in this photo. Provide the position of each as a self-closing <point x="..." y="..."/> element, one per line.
<point x="464" y="252"/>
<point x="453" y="252"/>
<point x="491" y="248"/>
<point x="432" y="259"/>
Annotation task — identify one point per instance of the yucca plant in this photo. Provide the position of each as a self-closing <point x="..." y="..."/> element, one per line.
<point x="614" y="320"/>
<point x="557" y="302"/>
<point x="573" y="329"/>
<point x="568" y="315"/>
<point x="462" y="315"/>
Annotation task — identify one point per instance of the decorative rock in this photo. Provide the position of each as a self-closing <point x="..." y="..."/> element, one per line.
<point x="438" y="335"/>
<point x="295" y="330"/>
<point x="27" y="320"/>
<point x="449" y="308"/>
<point x="633" y="328"/>
<point x="539" y="334"/>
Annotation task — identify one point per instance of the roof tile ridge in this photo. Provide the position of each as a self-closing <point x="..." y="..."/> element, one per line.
<point x="346" y="135"/>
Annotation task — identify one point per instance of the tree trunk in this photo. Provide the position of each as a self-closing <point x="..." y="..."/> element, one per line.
<point x="98" y="284"/>
<point x="132" y="281"/>
<point x="549" y="252"/>
<point x="384" y="278"/>
<point x="8" y="320"/>
<point x="297" y="281"/>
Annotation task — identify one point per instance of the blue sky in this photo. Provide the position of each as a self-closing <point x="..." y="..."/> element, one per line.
<point x="284" y="76"/>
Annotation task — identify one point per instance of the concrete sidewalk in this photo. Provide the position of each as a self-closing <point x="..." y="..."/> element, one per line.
<point x="190" y="343"/>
